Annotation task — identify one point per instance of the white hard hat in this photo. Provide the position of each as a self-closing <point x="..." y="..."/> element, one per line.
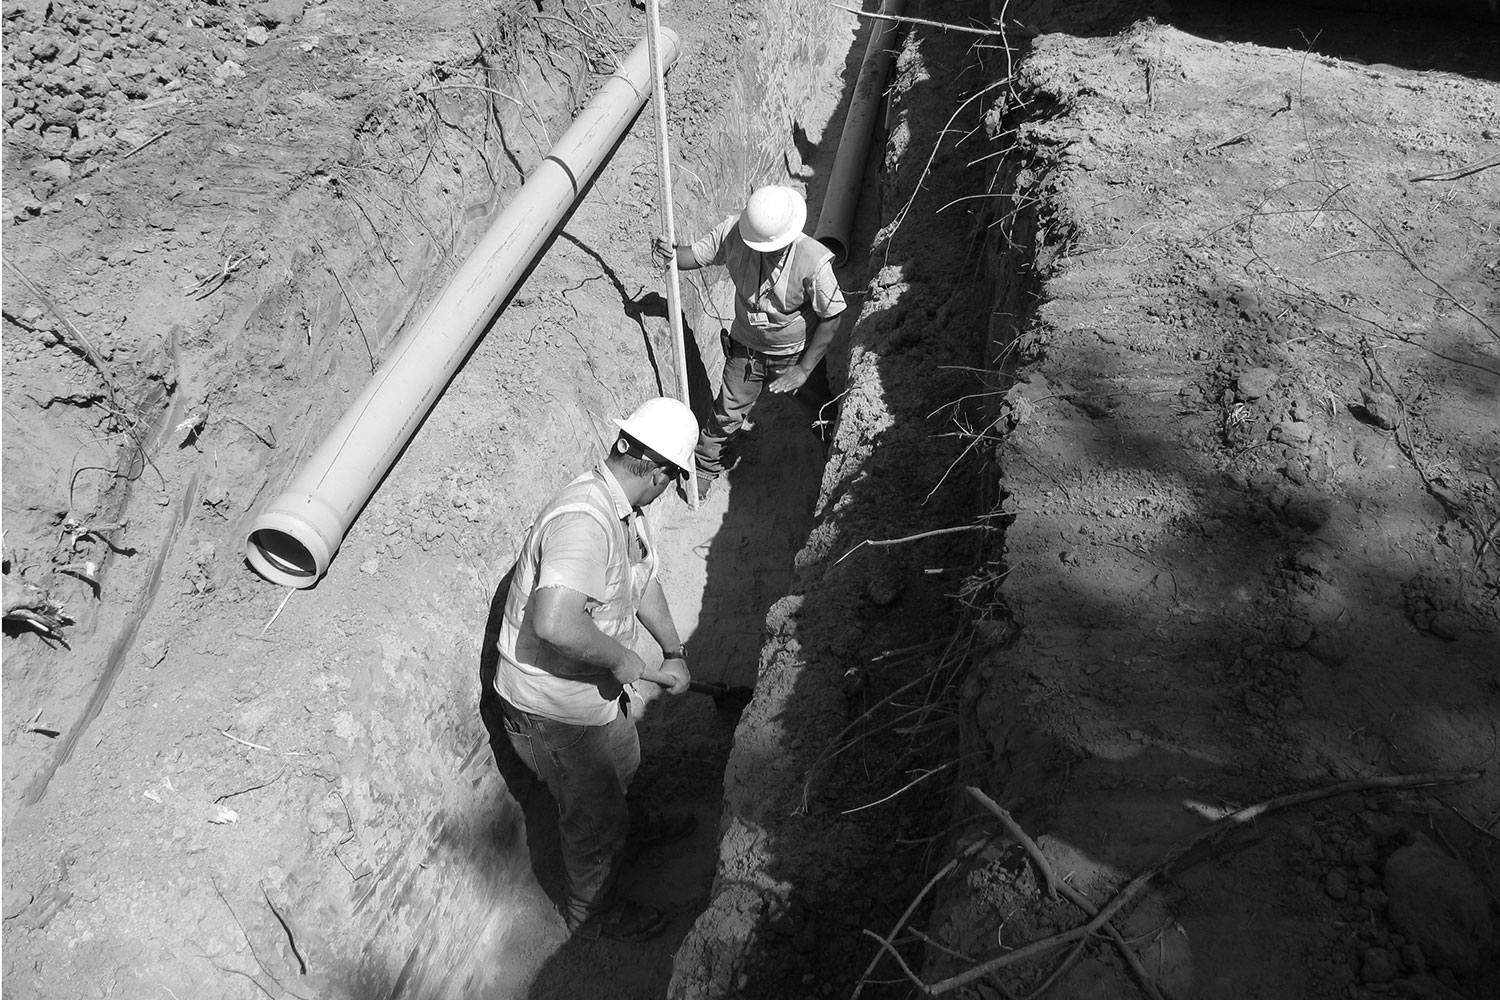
<point x="666" y="426"/>
<point x="772" y="218"/>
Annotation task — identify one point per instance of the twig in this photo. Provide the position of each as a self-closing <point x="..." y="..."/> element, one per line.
<point x="942" y="25"/>
<point x="1208" y="834"/>
<point x="472" y="86"/>
<point x="1242" y="136"/>
<point x="943" y="872"/>
<point x="289" y="592"/>
<point x="1029" y="845"/>
<point x="256" y="746"/>
<point x="875" y="543"/>
<point x="1055" y="974"/>
<point x="242" y="791"/>
<point x="160" y="135"/>
<point x="1075" y="897"/>
<point x="340" y="282"/>
<point x="79" y="342"/>
<point x="1457" y="173"/>
<point x="269" y="442"/>
<point x="910" y="784"/>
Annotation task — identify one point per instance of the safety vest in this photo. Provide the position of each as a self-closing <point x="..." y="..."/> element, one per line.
<point x="534" y="676"/>
<point x="771" y="303"/>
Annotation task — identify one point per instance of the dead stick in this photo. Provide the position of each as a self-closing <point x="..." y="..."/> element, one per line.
<point x="160" y="135"/>
<point x="877" y="543"/>
<point x="943" y="25"/>
<point x="1014" y="829"/>
<point x="1055" y="974"/>
<point x="1453" y="175"/>
<point x="1075" y="897"/>
<point x="1207" y="834"/>
<point x="901" y="922"/>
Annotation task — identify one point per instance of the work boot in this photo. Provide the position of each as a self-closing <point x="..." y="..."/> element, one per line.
<point x="621" y="920"/>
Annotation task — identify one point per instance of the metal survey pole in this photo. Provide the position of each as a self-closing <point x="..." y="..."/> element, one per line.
<point x="674" y="289"/>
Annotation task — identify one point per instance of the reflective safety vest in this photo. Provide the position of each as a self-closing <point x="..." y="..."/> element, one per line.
<point x="534" y="676"/>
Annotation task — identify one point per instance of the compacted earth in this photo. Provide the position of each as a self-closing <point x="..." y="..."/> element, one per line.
<point x="1133" y="630"/>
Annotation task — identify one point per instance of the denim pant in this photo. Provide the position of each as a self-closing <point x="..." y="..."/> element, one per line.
<point x="746" y="372"/>
<point x="587" y="769"/>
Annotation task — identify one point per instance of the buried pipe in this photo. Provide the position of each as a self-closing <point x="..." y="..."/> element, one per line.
<point x="841" y="197"/>
<point x="294" y="537"/>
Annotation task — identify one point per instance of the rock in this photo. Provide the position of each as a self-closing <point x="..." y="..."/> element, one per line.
<point x="16" y="900"/>
<point x="1308" y="512"/>
<point x="256" y="35"/>
<point x="44" y="907"/>
<point x="1255" y="383"/>
<point x="85" y="148"/>
<point x="1446" y="625"/>
<point x="1294" y="432"/>
<point x="1330" y="644"/>
<point x="1336" y="885"/>
<point x="1412" y="957"/>
<point x="55" y="171"/>
<point x="276" y="12"/>
<point x="1379" y="966"/>
<point x="1438" y="903"/>
<point x="228" y="70"/>
<point x="59" y="116"/>
<point x="1380" y="409"/>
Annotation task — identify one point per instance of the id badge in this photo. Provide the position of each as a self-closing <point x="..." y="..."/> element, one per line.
<point x="758" y="320"/>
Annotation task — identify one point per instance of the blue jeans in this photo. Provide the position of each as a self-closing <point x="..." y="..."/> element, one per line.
<point x="746" y="372"/>
<point x="587" y="769"/>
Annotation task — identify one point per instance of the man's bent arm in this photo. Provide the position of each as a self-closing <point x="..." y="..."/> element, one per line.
<point x="562" y="623"/>
<point x="657" y="617"/>
<point x="820" y="338"/>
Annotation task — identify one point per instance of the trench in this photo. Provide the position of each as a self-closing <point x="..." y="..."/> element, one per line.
<point x="340" y="722"/>
<point x="450" y="881"/>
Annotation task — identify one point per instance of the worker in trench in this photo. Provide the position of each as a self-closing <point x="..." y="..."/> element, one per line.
<point x="787" y="302"/>
<point x="568" y="685"/>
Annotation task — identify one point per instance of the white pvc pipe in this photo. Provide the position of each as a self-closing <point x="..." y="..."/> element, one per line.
<point x="294" y="537"/>
<point x="847" y="177"/>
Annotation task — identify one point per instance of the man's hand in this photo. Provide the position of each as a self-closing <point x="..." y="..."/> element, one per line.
<point x="790" y="381"/>
<point x="677" y="672"/>
<point x="662" y="252"/>
<point x="673" y="675"/>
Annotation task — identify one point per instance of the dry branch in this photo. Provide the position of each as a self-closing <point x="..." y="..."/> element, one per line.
<point x="1456" y="174"/>
<point x="912" y="908"/>
<point x="1208" y="834"/>
<point x="876" y="543"/>
<point x="940" y="25"/>
<point x="1078" y="899"/>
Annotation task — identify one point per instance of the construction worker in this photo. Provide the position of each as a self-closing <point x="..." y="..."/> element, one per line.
<point x="786" y="301"/>
<point x="568" y="683"/>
